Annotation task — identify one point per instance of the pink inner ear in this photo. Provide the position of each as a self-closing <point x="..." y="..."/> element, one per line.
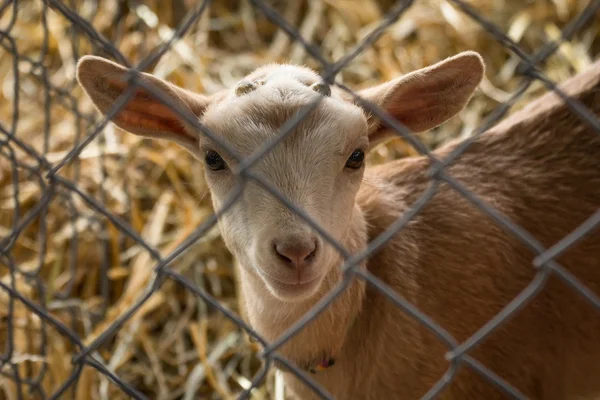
<point x="402" y="109"/>
<point x="410" y="111"/>
<point x="151" y="116"/>
<point x="417" y="97"/>
<point x="144" y="111"/>
<point x="420" y="104"/>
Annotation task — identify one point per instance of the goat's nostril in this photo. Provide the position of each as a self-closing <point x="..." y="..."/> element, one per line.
<point x="296" y="252"/>
<point x="311" y="255"/>
<point x="280" y="254"/>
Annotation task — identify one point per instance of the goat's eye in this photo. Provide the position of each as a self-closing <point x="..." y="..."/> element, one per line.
<point x="356" y="159"/>
<point x="214" y="161"/>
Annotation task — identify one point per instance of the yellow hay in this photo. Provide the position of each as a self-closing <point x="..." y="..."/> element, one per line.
<point x="175" y="346"/>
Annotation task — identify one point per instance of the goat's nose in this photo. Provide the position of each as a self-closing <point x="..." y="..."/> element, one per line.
<point x="296" y="252"/>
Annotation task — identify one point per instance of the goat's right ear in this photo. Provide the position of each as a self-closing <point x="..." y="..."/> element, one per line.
<point x="144" y="114"/>
<point x="425" y="98"/>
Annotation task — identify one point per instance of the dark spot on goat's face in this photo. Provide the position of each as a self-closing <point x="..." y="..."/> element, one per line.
<point x="321" y="88"/>
<point x="245" y="87"/>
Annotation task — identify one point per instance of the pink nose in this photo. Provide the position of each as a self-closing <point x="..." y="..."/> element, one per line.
<point x="296" y="252"/>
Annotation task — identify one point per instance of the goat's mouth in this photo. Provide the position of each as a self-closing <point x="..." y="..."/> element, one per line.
<point x="293" y="290"/>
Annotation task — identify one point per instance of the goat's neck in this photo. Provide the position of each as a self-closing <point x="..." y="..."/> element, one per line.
<point x="323" y="336"/>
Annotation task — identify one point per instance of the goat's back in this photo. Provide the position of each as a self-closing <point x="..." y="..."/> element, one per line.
<point x="541" y="170"/>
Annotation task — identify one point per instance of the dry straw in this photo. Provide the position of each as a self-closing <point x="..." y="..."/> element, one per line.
<point x="176" y="347"/>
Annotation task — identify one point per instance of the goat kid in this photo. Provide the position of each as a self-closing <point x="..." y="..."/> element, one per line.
<point x="540" y="168"/>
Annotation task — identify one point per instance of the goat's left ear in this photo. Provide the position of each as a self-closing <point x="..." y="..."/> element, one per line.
<point x="144" y="115"/>
<point x="424" y="99"/>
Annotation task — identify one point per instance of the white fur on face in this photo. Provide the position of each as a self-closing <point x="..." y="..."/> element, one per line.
<point x="307" y="167"/>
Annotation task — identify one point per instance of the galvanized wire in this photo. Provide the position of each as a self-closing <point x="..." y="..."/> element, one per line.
<point x="55" y="187"/>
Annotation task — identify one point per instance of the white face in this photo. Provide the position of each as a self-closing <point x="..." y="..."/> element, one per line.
<point x="318" y="168"/>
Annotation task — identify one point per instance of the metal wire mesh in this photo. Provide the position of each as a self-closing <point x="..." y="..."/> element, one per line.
<point x="55" y="187"/>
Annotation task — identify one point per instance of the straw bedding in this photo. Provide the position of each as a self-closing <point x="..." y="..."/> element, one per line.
<point x="76" y="263"/>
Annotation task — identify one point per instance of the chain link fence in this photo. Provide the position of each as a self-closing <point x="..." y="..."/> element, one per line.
<point x="43" y="176"/>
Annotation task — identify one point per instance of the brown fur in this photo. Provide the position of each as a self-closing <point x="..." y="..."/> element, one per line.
<point x="540" y="168"/>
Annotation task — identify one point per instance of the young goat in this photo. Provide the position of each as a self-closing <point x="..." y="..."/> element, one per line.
<point x="540" y="168"/>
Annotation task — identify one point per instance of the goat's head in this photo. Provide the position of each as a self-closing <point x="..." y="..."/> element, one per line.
<point x="318" y="167"/>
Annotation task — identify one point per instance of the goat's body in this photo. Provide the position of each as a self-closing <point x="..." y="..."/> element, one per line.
<point x="541" y="169"/>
